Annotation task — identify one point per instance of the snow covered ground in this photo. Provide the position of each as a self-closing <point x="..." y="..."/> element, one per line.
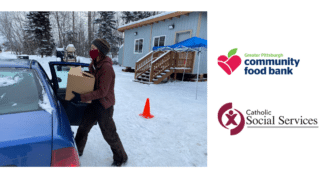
<point x="176" y="136"/>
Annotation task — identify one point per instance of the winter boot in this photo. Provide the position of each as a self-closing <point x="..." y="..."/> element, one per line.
<point x="119" y="163"/>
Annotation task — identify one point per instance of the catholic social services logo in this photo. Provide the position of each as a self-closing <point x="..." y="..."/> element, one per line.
<point x="230" y="115"/>
<point x="231" y="63"/>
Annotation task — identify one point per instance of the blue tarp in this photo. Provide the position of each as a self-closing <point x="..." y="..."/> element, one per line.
<point x="193" y="43"/>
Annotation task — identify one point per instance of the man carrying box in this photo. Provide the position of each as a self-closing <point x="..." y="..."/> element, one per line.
<point x="103" y="100"/>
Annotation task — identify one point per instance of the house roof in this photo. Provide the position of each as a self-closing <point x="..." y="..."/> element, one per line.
<point x="152" y="19"/>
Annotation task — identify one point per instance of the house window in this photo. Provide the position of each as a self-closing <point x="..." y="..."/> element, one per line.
<point x="138" y="46"/>
<point x="159" y="41"/>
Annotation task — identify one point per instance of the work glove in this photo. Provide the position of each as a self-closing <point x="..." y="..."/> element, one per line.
<point x="77" y="97"/>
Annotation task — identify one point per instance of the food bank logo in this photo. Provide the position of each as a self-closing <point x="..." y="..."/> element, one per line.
<point x="231" y="63"/>
<point x="229" y="113"/>
<point x="259" y="64"/>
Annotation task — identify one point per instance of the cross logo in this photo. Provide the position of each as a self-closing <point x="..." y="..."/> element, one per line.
<point x="231" y="118"/>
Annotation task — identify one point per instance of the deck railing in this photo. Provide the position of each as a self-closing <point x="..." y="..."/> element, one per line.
<point x="181" y="61"/>
<point x="161" y="64"/>
<point x="144" y="63"/>
<point x="160" y="61"/>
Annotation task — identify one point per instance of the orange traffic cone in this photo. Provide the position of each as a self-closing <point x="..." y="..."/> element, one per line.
<point x="146" y="113"/>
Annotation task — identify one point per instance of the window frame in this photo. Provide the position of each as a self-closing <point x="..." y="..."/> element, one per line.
<point x="178" y="32"/>
<point x="143" y="41"/>
<point x="164" y="42"/>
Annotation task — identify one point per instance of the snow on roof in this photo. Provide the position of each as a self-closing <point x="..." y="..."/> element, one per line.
<point x="59" y="49"/>
<point x="146" y="19"/>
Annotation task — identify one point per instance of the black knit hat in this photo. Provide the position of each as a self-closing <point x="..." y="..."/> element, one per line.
<point x="102" y="45"/>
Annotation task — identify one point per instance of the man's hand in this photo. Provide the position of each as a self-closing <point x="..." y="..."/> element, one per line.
<point x="77" y="97"/>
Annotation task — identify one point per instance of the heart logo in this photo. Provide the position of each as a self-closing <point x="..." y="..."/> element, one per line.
<point x="231" y="63"/>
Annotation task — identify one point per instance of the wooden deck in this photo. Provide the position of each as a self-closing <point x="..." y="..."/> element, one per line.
<point x="157" y="66"/>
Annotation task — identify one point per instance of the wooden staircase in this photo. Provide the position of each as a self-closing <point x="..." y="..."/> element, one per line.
<point x="154" y="67"/>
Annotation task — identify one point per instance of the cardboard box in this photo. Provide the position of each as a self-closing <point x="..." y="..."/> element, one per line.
<point x="80" y="82"/>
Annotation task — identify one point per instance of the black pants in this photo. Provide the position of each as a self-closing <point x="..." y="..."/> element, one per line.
<point x="96" y="112"/>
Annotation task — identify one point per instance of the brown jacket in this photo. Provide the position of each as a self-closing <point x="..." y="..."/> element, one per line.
<point x="104" y="83"/>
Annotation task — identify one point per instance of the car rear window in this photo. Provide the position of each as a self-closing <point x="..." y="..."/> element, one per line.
<point x="20" y="91"/>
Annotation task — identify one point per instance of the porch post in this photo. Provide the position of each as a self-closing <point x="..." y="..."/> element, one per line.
<point x="151" y="69"/>
<point x="199" y="56"/>
<point x="185" y="65"/>
<point x="175" y="65"/>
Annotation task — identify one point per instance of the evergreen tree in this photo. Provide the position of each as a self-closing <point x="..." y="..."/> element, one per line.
<point x="38" y="29"/>
<point x="136" y="15"/>
<point x="107" y="25"/>
<point x="128" y="17"/>
<point x="70" y="38"/>
<point x="29" y="41"/>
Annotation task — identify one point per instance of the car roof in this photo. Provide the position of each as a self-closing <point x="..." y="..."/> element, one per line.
<point x="18" y="63"/>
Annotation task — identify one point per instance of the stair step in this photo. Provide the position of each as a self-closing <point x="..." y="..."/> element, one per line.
<point x="143" y="82"/>
<point x="146" y="79"/>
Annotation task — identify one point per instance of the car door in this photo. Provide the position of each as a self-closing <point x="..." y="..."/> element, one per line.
<point x="59" y="72"/>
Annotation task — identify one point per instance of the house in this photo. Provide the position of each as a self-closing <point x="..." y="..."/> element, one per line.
<point x="161" y="30"/>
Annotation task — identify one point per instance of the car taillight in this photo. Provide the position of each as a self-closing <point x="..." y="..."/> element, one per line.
<point x="65" y="157"/>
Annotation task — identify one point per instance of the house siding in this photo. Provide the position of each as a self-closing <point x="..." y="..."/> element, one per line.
<point x="120" y="55"/>
<point x="129" y="57"/>
<point x="180" y="24"/>
<point x="183" y="23"/>
<point x="203" y="34"/>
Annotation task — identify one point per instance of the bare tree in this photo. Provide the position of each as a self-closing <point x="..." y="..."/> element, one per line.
<point x="59" y="29"/>
<point x="73" y="21"/>
<point x="89" y="27"/>
<point x="93" y="25"/>
<point x="6" y="28"/>
<point x="12" y="28"/>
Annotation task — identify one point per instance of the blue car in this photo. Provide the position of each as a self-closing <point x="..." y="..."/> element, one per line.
<point x="34" y="117"/>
